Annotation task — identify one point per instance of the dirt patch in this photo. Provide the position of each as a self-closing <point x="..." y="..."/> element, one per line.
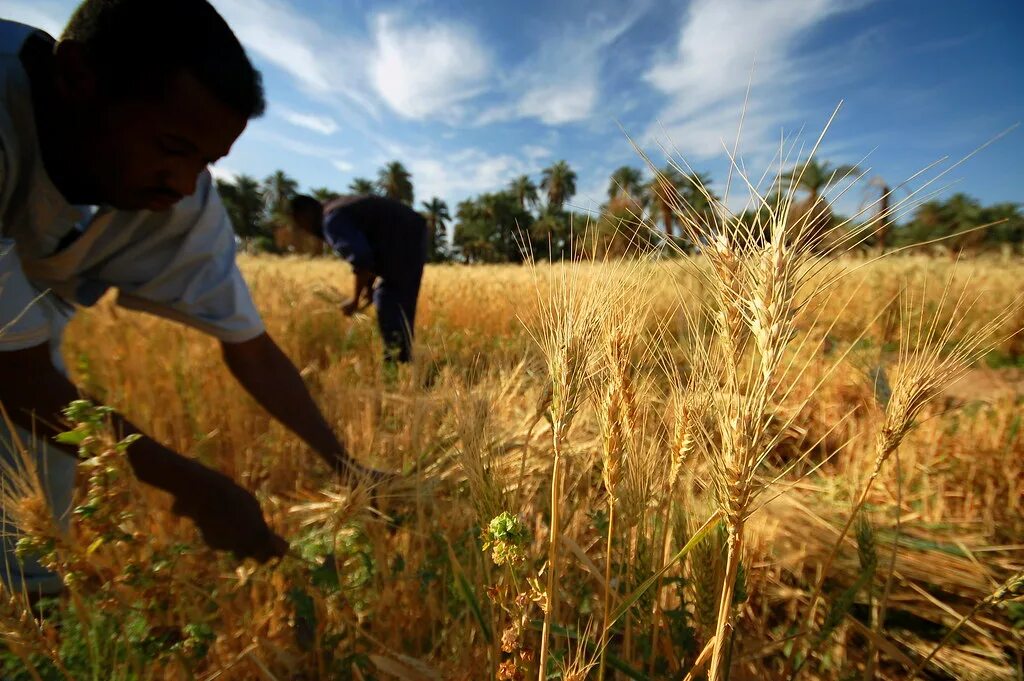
<point x="988" y="385"/>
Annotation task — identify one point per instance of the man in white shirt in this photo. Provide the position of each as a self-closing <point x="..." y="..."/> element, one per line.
<point x="105" y="139"/>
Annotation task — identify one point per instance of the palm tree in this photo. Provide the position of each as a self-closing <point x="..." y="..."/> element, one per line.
<point x="474" y="234"/>
<point x="931" y="214"/>
<point x="250" y="200"/>
<point x="278" y="189"/>
<point x="813" y="217"/>
<point x="550" y="236"/>
<point x="700" y="200"/>
<point x="559" y="181"/>
<point x="525" y="191"/>
<point x="363" y="187"/>
<point x="396" y="182"/>
<point x="1011" y="222"/>
<point x="815" y="176"/>
<point x="243" y="200"/>
<point x="663" y="194"/>
<point x="883" y="219"/>
<point x="323" y="194"/>
<point x="965" y="213"/>
<point x="625" y="181"/>
<point x="436" y="213"/>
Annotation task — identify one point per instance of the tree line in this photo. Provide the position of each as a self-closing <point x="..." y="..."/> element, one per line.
<point x="529" y="215"/>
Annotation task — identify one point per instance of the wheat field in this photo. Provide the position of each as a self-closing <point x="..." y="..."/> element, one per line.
<point x="819" y="487"/>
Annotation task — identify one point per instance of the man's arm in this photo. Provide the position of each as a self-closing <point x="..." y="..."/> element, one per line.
<point x="362" y="286"/>
<point x="33" y="393"/>
<point x="269" y="376"/>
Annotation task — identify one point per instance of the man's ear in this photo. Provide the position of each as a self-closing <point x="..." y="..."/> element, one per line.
<point x="75" y="77"/>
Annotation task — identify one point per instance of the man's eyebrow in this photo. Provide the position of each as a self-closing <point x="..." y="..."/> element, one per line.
<point x="183" y="141"/>
<point x="192" y="148"/>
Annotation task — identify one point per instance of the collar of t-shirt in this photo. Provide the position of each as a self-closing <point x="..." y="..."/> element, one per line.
<point x="78" y="229"/>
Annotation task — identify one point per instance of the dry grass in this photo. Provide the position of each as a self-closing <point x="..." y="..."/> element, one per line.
<point x="610" y="408"/>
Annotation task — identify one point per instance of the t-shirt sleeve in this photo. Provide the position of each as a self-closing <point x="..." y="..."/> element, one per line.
<point x="348" y="241"/>
<point x="23" y="321"/>
<point x="194" y="278"/>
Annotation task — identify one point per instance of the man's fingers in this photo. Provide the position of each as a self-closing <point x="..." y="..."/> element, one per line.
<point x="278" y="545"/>
<point x="272" y="546"/>
<point x="178" y="508"/>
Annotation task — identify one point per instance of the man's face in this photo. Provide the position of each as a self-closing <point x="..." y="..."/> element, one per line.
<point x="145" y="153"/>
<point x="307" y="221"/>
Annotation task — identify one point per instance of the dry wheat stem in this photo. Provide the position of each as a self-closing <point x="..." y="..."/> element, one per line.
<point x="923" y="376"/>
<point x="607" y="591"/>
<point x="1010" y="589"/>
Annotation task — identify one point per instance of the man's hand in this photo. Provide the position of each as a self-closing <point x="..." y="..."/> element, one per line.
<point x="350" y="307"/>
<point x="354" y="474"/>
<point x="229" y="517"/>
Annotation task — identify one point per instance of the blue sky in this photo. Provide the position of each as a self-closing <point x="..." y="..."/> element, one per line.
<point x="470" y="95"/>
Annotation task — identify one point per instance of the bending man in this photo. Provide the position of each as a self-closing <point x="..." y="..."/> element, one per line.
<point x="105" y="139"/>
<point x="383" y="240"/>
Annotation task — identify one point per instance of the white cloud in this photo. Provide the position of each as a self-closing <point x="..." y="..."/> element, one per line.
<point x="343" y="166"/>
<point x="426" y="71"/>
<point x="722" y="44"/>
<point x="297" y="146"/>
<point x="324" y="63"/>
<point x="557" y="103"/>
<point x="224" y="174"/>
<point x="325" y="125"/>
<point x="457" y="175"/>
<point x="561" y="82"/>
<point x="279" y="35"/>
<point x="535" y="152"/>
<point x="48" y="15"/>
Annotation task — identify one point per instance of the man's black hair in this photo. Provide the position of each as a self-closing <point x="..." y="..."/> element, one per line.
<point x="302" y="203"/>
<point x="137" y="45"/>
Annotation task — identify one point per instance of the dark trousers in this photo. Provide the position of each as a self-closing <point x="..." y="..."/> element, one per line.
<point x="395" y="299"/>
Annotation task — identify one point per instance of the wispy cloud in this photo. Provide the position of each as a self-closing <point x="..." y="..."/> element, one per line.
<point x="455" y="175"/>
<point x="325" y="125"/>
<point x="329" y="153"/>
<point x="223" y="173"/>
<point x="421" y="70"/>
<point x="536" y="152"/>
<point x="722" y="45"/>
<point x="561" y="81"/>
<point x="326" y="64"/>
<point x="281" y="36"/>
<point x="342" y="165"/>
<point x="425" y="71"/>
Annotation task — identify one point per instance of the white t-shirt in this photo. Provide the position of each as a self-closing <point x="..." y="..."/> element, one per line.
<point x="178" y="264"/>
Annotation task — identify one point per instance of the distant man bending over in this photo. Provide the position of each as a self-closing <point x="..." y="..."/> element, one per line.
<point x="382" y="239"/>
<point x="105" y="139"/>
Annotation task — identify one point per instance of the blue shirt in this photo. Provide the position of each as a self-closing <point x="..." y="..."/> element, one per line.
<point x="376" y="234"/>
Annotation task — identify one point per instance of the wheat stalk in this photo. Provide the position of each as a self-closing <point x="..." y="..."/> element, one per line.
<point x="619" y="414"/>
<point x="569" y="319"/>
<point x="1012" y="588"/>
<point x="933" y="356"/>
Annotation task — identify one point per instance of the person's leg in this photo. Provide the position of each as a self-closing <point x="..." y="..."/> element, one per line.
<point x="410" y="297"/>
<point x="391" y="319"/>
